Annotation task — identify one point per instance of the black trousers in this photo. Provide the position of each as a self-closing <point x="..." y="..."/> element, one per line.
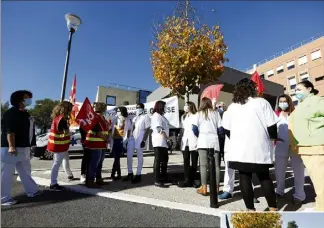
<point x="266" y="185"/>
<point x="190" y="170"/>
<point x="85" y="161"/>
<point x="160" y="168"/>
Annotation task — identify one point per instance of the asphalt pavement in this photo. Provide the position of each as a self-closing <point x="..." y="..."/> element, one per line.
<point x="72" y="209"/>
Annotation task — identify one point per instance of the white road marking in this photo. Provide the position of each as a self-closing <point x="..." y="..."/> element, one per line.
<point x="134" y="198"/>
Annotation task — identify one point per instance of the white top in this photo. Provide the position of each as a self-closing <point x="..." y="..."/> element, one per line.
<point x="208" y="137"/>
<point x="188" y="138"/>
<point x="282" y="148"/>
<point x="127" y="127"/>
<point x="141" y="123"/>
<point x="227" y="140"/>
<point x="249" y="138"/>
<point x="158" y="140"/>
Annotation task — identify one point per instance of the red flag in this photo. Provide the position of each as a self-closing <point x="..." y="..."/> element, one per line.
<point x="257" y="79"/>
<point x="87" y="118"/>
<point x="212" y="92"/>
<point x="73" y="91"/>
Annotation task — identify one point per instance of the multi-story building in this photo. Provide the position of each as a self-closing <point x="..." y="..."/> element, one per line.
<point x="304" y="61"/>
<point x="115" y="95"/>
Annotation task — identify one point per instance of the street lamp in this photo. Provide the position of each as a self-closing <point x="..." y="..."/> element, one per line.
<point x="73" y="22"/>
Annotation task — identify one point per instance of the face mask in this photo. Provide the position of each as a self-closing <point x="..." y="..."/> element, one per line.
<point x="27" y="102"/>
<point x="301" y="95"/>
<point x="283" y="105"/>
<point x="186" y="108"/>
<point x="139" y="111"/>
<point x="220" y="110"/>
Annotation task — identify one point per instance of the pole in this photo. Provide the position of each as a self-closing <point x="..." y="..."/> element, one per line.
<point x="212" y="176"/>
<point x="66" y="67"/>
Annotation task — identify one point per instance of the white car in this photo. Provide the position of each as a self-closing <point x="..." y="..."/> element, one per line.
<point x="42" y="140"/>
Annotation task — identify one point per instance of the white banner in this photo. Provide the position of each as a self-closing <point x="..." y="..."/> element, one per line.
<point x="172" y="110"/>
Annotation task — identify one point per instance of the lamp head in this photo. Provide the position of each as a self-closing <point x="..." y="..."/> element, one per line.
<point x="72" y="21"/>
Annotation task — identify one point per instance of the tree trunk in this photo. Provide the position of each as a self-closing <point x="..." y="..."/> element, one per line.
<point x="187" y="95"/>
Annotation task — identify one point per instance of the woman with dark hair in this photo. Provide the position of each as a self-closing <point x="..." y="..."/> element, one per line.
<point x="250" y="124"/>
<point x="284" y="108"/>
<point x="189" y="145"/>
<point x="207" y="121"/>
<point x="160" y="135"/>
<point x="121" y="131"/>
<point x="306" y="128"/>
<point x="17" y="136"/>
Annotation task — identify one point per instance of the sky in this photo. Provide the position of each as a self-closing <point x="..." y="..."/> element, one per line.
<point x="303" y="220"/>
<point x="112" y="44"/>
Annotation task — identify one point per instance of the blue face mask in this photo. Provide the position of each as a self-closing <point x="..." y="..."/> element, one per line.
<point x="220" y="110"/>
<point x="27" y="102"/>
<point x="300" y="95"/>
<point x="139" y="111"/>
<point x="283" y="106"/>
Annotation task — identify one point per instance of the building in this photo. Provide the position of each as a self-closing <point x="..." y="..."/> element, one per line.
<point x="116" y="95"/>
<point x="303" y="61"/>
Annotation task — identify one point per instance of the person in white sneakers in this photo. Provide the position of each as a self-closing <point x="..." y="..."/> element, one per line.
<point x="141" y="130"/>
<point x="17" y="136"/>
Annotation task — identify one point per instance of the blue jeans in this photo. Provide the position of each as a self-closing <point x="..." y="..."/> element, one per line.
<point x="95" y="163"/>
<point x="99" y="167"/>
<point x="117" y="151"/>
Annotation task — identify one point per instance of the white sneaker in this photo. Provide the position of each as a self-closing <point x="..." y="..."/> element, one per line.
<point x="9" y="202"/>
<point x="82" y="179"/>
<point x="35" y="194"/>
<point x="309" y="209"/>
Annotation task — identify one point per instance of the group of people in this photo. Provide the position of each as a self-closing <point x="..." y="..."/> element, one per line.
<point x="245" y="134"/>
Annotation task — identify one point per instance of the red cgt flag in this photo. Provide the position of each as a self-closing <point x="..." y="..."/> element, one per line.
<point x="212" y="92"/>
<point x="87" y="118"/>
<point x="257" y="79"/>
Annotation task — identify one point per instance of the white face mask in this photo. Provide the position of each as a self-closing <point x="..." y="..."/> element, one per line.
<point x="186" y="108"/>
<point x="283" y="105"/>
<point x="139" y="111"/>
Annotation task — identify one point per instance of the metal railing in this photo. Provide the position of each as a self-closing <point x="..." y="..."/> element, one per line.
<point x="294" y="47"/>
<point x="124" y="87"/>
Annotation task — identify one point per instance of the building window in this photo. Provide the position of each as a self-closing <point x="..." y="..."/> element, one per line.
<point x="319" y="78"/>
<point x="292" y="82"/>
<point x="304" y="76"/>
<point x="316" y="55"/>
<point x="111" y="100"/>
<point x="302" y="60"/>
<point x="262" y="76"/>
<point x="270" y="73"/>
<point x="280" y="69"/>
<point x="142" y="96"/>
<point x="291" y="65"/>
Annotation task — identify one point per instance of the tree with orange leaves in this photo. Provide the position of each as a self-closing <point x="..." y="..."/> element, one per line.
<point x="256" y="220"/>
<point x="186" y="54"/>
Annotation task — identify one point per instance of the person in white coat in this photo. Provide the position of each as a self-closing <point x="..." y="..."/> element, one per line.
<point x="207" y="120"/>
<point x="17" y="136"/>
<point x="285" y="106"/>
<point x="160" y="138"/>
<point x="189" y="146"/>
<point x="141" y="130"/>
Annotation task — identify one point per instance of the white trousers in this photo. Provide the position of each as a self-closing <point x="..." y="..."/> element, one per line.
<point x="130" y="153"/>
<point x="57" y="161"/>
<point x="7" y="176"/>
<point x="299" y="174"/>
<point x="229" y="177"/>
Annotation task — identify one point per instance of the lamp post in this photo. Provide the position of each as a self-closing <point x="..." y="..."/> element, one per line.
<point x="73" y="22"/>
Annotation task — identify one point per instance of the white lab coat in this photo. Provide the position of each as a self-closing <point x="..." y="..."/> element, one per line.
<point x="158" y="140"/>
<point x="282" y="155"/>
<point x="208" y="136"/>
<point x="250" y="142"/>
<point x="141" y="123"/>
<point x="188" y="139"/>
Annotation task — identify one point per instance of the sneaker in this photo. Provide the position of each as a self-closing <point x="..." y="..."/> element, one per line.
<point x="296" y="201"/>
<point x="137" y="179"/>
<point x="56" y="188"/>
<point x="225" y="195"/>
<point x="35" y="194"/>
<point x="82" y="179"/>
<point x="71" y="178"/>
<point x="9" y="202"/>
<point x="256" y="200"/>
<point x="158" y="184"/>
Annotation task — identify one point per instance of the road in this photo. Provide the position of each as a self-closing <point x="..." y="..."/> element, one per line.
<point x="72" y="209"/>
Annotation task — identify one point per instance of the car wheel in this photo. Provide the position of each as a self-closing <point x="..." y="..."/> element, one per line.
<point x="48" y="155"/>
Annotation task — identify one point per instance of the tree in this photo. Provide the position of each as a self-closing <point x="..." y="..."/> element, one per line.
<point x="4" y="108"/>
<point x="256" y="220"/>
<point x="42" y="113"/>
<point x="292" y="224"/>
<point x="186" y="54"/>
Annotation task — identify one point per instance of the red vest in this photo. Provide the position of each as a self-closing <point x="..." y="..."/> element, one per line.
<point x="58" y="141"/>
<point x="93" y="141"/>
